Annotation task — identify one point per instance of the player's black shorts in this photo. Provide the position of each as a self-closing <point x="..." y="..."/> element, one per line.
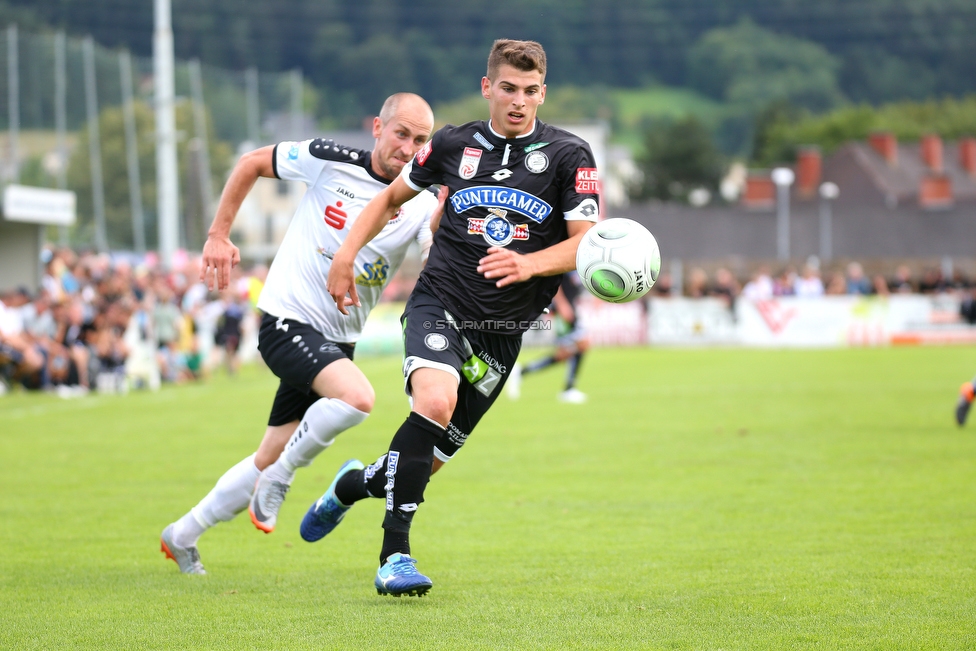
<point x="481" y="361"/>
<point x="295" y="352"/>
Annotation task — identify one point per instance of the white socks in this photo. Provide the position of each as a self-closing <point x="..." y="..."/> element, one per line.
<point x="323" y="421"/>
<point x="229" y="497"/>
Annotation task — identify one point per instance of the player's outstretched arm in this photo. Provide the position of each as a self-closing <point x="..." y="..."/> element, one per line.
<point x="511" y="267"/>
<point x="219" y="253"/>
<point x="341" y="283"/>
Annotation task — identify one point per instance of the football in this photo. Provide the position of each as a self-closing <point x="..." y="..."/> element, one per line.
<point x="618" y="260"/>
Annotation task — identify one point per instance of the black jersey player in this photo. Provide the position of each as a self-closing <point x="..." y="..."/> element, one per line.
<point x="522" y="193"/>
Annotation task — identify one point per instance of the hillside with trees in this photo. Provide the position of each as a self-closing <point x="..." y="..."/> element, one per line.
<point x="818" y="54"/>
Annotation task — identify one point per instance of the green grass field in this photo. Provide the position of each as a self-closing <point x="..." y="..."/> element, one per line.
<point x="702" y="499"/>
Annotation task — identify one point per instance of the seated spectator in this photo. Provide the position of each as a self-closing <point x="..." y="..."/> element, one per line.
<point x="70" y="318"/>
<point x="20" y="359"/>
<point x="836" y="285"/>
<point x="809" y="284"/>
<point x="880" y="285"/>
<point x="783" y="285"/>
<point x="760" y="286"/>
<point x="726" y="287"/>
<point x="902" y="281"/>
<point x="932" y="282"/>
<point x="857" y="282"/>
<point x="697" y="283"/>
<point x="663" y="287"/>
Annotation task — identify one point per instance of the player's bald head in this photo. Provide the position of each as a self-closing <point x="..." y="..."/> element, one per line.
<point x="404" y="105"/>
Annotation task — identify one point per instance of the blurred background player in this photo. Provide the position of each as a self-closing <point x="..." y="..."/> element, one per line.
<point x="966" y="393"/>
<point x="571" y="343"/>
<point x="304" y="339"/>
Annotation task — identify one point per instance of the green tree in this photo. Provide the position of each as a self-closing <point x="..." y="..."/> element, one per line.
<point x="950" y="118"/>
<point x="678" y="158"/>
<point x="749" y="66"/>
<point x="118" y="213"/>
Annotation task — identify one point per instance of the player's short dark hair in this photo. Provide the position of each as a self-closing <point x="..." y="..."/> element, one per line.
<point x="521" y="55"/>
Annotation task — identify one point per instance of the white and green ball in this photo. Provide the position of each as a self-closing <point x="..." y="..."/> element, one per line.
<point x="618" y="260"/>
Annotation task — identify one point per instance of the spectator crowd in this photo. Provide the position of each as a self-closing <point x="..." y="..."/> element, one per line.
<point x="763" y="284"/>
<point x="108" y="324"/>
<point x="103" y="323"/>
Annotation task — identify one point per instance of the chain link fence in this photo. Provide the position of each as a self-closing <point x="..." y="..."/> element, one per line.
<point x="58" y="92"/>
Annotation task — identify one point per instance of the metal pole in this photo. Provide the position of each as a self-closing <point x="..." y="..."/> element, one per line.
<point x="783" y="177"/>
<point x="94" y="145"/>
<point x="167" y="180"/>
<point x="783" y="222"/>
<point x="13" y="102"/>
<point x="828" y="192"/>
<point x="296" y="104"/>
<point x="60" y="120"/>
<point x="253" y="119"/>
<point x="132" y="153"/>
<point x="200" y="127"/>
<point x="826" y="237"/>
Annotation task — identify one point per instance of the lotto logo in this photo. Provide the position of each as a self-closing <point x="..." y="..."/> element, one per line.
<point x="334" y="217"/>
<point x="587" y="181"/>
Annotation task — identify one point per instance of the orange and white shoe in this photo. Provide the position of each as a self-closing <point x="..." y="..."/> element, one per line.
<point x="966" y="394"/>
<point x="266" y="502"/>
<point x="188" y="558"/>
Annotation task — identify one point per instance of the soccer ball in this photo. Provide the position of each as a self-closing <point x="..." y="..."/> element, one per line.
<point x="618" y="260"/>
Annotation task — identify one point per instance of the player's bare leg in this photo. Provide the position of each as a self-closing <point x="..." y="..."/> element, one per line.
<point x="347" y="400"/>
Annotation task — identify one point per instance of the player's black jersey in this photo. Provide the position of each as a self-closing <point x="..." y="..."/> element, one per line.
<point x="516" y="193"/>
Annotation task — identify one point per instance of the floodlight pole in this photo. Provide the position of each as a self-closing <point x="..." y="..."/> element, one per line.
<point x="167" y="179"/>
<point x="783" y="178"/>
<point x="828" y="192"/>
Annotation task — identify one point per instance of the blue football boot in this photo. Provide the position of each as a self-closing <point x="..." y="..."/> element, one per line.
<point x="326" y="514"/>
<point x="399" y="577"/>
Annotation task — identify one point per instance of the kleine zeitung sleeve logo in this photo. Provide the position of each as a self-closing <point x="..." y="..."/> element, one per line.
<point x="587" y="181"/>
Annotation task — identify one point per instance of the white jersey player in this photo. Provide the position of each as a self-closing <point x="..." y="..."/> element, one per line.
<point x="304" y="338"/>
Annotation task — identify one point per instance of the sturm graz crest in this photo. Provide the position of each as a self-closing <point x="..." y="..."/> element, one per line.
<point x="498" y="230"/>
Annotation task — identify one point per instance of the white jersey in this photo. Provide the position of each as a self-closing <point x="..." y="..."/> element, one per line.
<point x="340" y="183"/>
